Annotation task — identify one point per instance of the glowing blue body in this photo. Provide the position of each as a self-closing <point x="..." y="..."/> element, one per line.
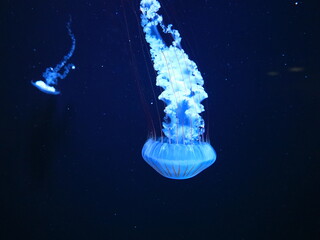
<point x="178" y="161"/>
<point x="51" y="75"/>
<point x="181" y="153"/>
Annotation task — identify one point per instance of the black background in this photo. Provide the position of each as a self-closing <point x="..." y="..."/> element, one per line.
<point x="71" y="165"/>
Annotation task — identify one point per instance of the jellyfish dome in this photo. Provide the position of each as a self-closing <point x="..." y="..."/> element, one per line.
<point x="42" y="86"/>
<point x="178" y="161"/>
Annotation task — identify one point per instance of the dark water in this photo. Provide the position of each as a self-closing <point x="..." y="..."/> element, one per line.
<point x="71" y="166"/>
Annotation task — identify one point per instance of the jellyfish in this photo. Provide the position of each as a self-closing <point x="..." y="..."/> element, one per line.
<point x="51" y="74"/>
<point x="181" y="152"/>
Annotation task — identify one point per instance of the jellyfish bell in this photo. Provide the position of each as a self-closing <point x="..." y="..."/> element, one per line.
<point x="178" y="160"/>
<point x="43" y="87"/>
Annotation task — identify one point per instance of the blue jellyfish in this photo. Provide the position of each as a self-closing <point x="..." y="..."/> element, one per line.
<point x="181" y="153"/>
<point x="51" y="75"/>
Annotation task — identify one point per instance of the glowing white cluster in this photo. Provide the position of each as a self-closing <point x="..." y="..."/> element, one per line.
<point x="177" y="75"/>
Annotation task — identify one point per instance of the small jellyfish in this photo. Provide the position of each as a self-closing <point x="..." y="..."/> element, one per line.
<point x="51" y="74"/>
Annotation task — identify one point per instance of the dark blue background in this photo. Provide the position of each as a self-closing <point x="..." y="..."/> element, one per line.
<point x="71" y="166"/>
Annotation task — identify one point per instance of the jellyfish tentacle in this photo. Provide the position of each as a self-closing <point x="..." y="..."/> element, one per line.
<point x="182" y="83"/>
<point x="70" y="53"/>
